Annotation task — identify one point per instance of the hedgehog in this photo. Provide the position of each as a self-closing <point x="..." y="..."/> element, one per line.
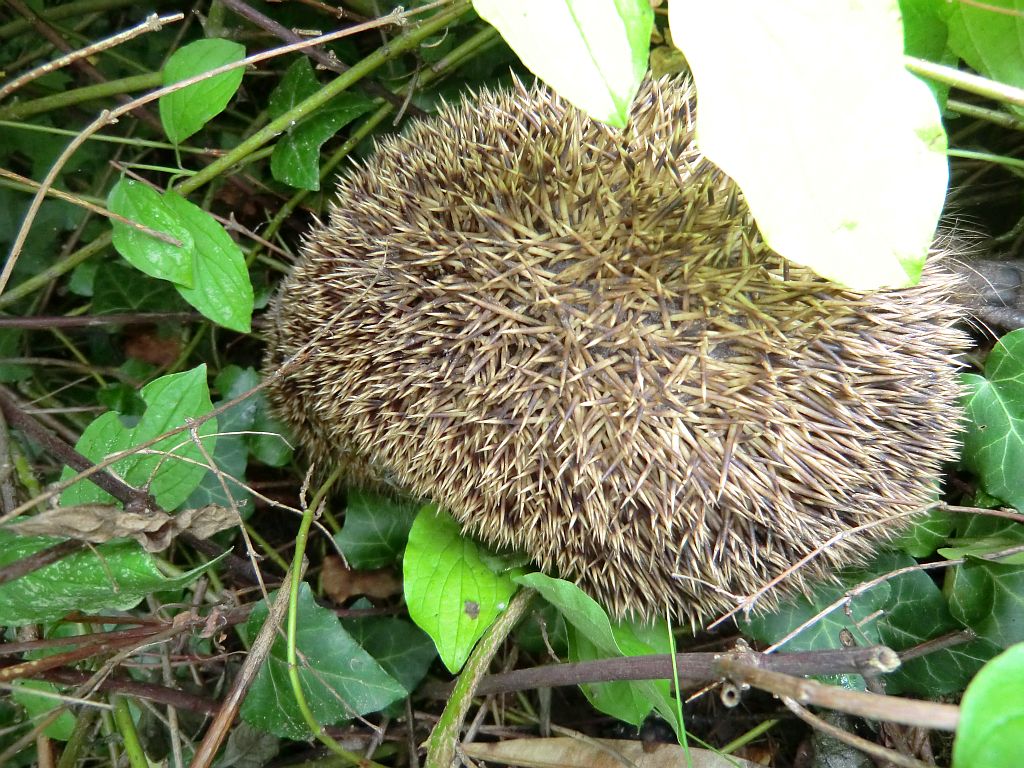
<point x="574" y="339"/>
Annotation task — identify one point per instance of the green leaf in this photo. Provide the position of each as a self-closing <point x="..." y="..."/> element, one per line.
<point x="340" y="680"/>
<point x="38" y="707"/>
<point x="928" y="533"/>
<point x="821" y="69"/>
<point x="121" y="288"/>
<point x="915" y="612"/>
<point x="925" y="34"/>
<point x="989" y="598"/>
<point x="296" y="157"/>
<point x="220" y="289"/>
<point x="592" y="52"/>
<point x="170" y="401"/>
<point x="990" y="38"/>
<point x="994" y="405"/>
<point x="579" y="609"/>
<point x="186" y="111"/>
<point x="144" y="205"/>
<point x="298" y="84"/>
<point x="376" y="529"/>
<point x="108" y="577"/>
<point x="824" y="633"/>
<point x="402" y="650"/>
<point x="593" y="636"/>
<point x="451" y="593"/>
<point x="991" y="728"/>
<point x="11" y="346"/>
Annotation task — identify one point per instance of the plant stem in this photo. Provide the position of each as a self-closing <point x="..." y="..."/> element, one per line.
<point x="126" y="727"/>
<point x="79" y="95"/>
<point x="445" y="736"/>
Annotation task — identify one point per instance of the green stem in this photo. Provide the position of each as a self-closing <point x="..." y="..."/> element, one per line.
<point x="79" y="95"/>
<point x="80" y="736"/>
<point x="51" y="273"/>
<point x="445" y="736"/>
<point x="966" y="81"/>
<point x="988" y="157"/>
<point x="293" y="625"/>
<point x="399" y="46"/>
<point x="126" y="727"/>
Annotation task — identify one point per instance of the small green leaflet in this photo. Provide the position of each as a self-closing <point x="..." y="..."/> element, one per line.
<point x="208" y="271"/>
<point x="994" y="404"/>
<point x="991" y="728"/>
<point x="221" y="289"/>
<point x="170" y="401"/>
<point x="107" y="577"/>
<point x="186" y="111"/>
<point x="339" y="679"/>
<point x="451" y="593"/>
<point x="145" y="205"/>
<point x="592" y="52"/>
<point x="296" y="158"/>
<point x="839" y="150"/>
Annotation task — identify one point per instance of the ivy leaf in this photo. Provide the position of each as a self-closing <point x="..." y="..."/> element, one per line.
<point x="186" y="111"/>
<point x="107" y="577"/>
<point x="156" y="258"/>
<point x="171" y="468"/>
<point x="376" y="529"/>
<point x="221" y="288"/>
<point x="401" y="648"/>
<point x="340" y="680"/>
<point x="989" y="598"/>
<point x="592" y="52"/>
<point x="451" y="593"/>
<point x="994" y="405"/>
<point x="296" y="157"/>
<point x="809" y="92"/>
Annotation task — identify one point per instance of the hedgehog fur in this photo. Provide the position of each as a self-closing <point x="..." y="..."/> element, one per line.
<point x="574" y="339"/>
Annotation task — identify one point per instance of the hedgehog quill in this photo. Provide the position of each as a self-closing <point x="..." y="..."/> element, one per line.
<point x="575" y="340"/>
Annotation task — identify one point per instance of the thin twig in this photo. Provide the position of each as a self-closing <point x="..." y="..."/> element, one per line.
<point x="922" y="714"/>
<point x="223" y="722"/>
<point x="153" y="23"/>
<point x="875" y="750"/>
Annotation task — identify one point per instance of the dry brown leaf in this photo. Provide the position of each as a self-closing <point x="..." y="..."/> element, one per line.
<point x="565" y="752"/>
<point x="100" y="523"/>
<point x="340" y="583"/>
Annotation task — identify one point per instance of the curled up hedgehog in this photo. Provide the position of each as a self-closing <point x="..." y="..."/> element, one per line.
<point x="574" y="339"/>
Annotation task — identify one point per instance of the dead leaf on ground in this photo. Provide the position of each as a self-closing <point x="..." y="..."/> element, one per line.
<point x="340" y="583"/>
<point x="100" y="523"/>
<point x="565" y="752"/>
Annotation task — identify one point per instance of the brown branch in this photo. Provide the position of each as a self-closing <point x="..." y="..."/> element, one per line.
<point x="887" y="756"/>
<point x="218" y="730"/>
<point x="922" y="714"/>
<point x="43" y="323"/>
<point x="694" y="668"/>
<point x="158" y="693"/>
